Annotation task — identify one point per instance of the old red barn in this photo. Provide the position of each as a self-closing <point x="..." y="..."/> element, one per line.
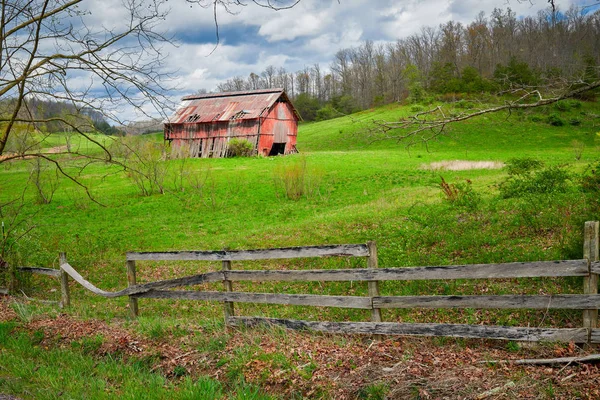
<point x="205" y="123"/>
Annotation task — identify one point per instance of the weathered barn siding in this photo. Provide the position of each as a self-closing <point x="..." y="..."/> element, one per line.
<point x="203" y="125"/>
<point x="279" y="126"/>
<point x="210" y="140"/>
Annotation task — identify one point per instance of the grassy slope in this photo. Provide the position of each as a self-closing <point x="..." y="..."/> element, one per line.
<point x="365" y="192"/>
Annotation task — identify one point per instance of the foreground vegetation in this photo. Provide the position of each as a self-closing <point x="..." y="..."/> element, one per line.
<point x="341" y="188"/>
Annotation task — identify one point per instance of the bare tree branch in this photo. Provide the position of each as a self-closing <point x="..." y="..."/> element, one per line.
<point x="428" y="125"/>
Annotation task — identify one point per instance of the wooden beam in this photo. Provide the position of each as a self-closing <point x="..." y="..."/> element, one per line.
<point x="263" y="298"/>
<point x="41" y="271"/>
<point x="592" y="358"/>
<point x="471" y="271"/>
<point x="562" y="301"/>
<point x="65" y="299"/>
<point x="590" y="283"/>
<point x="228" y="310"/>
<point x="451" y="330"/>
<point x="373" y="286"/>
<point x="344" y="250"/>
<point x="131" y="281"/>
<point x="186" y="281"/>
<point x="595" y="267"/>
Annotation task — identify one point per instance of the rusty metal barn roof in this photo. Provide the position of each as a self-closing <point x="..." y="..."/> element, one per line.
<point x="250" y="104"/>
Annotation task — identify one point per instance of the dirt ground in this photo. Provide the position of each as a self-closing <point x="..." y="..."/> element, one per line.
<point x="341" y="366"/>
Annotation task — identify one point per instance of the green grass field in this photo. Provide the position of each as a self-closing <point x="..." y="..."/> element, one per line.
<point x="355" y="189"/>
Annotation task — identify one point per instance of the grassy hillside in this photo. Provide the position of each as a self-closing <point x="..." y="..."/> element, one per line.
<point x="353" y="191"/>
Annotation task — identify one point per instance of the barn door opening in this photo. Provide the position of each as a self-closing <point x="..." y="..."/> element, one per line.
<point x="278" y="148"/>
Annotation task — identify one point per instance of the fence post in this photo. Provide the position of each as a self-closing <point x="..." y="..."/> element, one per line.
<point x="65" y="298"/>
<point x="227" y="305"/>
<point x="131" y="281"/>
<point x="373" y="285"/>
<point x="590" y="284"/>
<point x="12" y="279"/>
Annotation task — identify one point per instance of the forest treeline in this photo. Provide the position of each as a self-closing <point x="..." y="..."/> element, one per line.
<point x="493" y="53"/>
<point x="59" y="116"/>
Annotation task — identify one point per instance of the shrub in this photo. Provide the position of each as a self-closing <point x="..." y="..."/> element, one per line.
<point x="146" y="163"/>
<point x="566" y="105"/>
<point x="527" y="179"/>
<point x="590" y="179"/>
<point x="240" y="148"/>
<point x="327" y="112"/>
<point x="464" y="104"/>
<point x="460" y="194"/>
<point x="536" y="118"/>
<point x="578" y="148"/>
<point x="45" y="178"/>
<point x="555" y="120"/>
<point x="574" y="122"/>
<point x="518" y="166"/>
<point x="562" y="106"/>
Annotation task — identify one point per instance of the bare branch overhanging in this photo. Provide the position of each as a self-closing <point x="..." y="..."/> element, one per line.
<point x="425" y="126"/>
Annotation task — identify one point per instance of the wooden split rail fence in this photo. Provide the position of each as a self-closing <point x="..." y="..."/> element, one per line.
<point x="589" y="301"/>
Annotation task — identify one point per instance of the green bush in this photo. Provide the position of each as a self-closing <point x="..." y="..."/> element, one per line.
<point x="464" y="104"/>
<point x="536" y="118"/>
<point x="526" y="178"/>
<point x="460" y="194"/>
<point x="555" y="120"/>
<point x="327" y="112"/>
<point x="590" y="179"/>
<point x="240" y="148"/>
<point x="575" y="104"/>
<point x="566" y="105"/>
<point x="562" y="106"/>
<point x="518" y="166"/>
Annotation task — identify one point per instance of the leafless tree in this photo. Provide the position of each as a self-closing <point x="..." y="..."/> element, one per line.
<point x="49" y="47"/>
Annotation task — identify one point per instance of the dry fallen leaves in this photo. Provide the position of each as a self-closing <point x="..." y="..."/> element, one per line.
<point x="338" y="365"/>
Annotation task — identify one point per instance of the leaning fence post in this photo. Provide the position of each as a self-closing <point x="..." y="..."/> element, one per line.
<point x="227" y="305"/>
<point x="131" y="281"/>
<point x="373" y="285"/>
<point x="65" y="298"/>
<point x="590" y="284"/>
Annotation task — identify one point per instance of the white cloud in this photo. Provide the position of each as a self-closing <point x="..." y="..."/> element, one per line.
<point x="309" y="33"/>
<point x="291" y="28"/>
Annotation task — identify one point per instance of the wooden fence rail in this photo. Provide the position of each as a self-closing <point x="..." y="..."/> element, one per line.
<point x="588" y="302"/>
<point x="65" y="299"/>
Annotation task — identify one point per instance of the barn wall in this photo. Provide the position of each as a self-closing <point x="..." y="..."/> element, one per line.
<point x="279" y="126"/>
<point x="210" y="140"/>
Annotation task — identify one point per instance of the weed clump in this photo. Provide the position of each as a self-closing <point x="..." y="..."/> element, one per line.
<point x="460" y="194"/>
<point x="296" y="179"/>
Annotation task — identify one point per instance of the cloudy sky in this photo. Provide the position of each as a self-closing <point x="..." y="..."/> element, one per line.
<point x="311" y="32"/>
